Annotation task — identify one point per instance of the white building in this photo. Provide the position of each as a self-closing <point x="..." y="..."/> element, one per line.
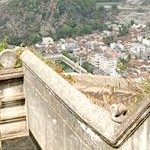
<point x="146" y="42"/>
<point x="92" y="45"/>
<point x="117" y="46"/>
<point x="138" y="49"/>
<point x="70" y="47"/>
<point x="138" y="26"/>
<point x="107" y="33"/>
<point x="108" y="65"/>
<point x="140" y="38"/>
<point x="47" y="40"/>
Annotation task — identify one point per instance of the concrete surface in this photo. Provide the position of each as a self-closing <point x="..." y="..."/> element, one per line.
<point x="7" y="58"/>
<point x="62" y="118"/>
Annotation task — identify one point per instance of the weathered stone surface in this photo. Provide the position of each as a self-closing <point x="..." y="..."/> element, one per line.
<point x="60" y="117"/>
<point x="7" y="58"/>
<point x="118" y="112"/>
<point x="54" y="115"/>
<point x="23" y="143"/>
<point x="140" y="140"/>
<point x="11" y="74"/>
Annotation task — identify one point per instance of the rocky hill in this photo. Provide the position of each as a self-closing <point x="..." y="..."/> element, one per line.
<point x="29" y="20"/>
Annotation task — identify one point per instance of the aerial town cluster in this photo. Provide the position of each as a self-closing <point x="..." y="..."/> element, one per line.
<point x="127" y="55"/>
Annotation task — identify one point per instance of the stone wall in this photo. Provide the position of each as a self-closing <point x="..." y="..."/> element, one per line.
<point x="62" y="118"/>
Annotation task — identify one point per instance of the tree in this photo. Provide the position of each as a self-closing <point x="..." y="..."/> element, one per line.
<point x="108" y="40"/>
<point x="64" y="31"/>
<point x="14" y="40"/>
<point x="88" y="67"/>
<point x="114" y="10"/>
<point x="88" y="29"/>
<point x="65" y="53"/>
<point x="123" y="30"/>
<point x="79" y="29"/>
<point x="132" y="22"/>
<point x="33" y="39"/>
<point x="56" y="15"/>
<point x="61" y="6"/>
<point x="103" y="14"/>
<point x="72" y="23"/>
<point x="121" y="68"/>
<point x="122" y="64"/>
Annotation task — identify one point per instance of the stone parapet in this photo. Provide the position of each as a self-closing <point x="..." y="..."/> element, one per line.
<point x="61" y="117"/>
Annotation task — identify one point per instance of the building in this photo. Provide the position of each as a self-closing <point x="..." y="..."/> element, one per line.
<point x="105" y="64"/>
<point x="146" y="42"/>
<point x="47" y="41"/>
<point x="138" y="49"/>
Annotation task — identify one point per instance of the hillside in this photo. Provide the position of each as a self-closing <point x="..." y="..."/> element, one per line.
<point x="28" y="20"/>
<point x="31" y="19"/>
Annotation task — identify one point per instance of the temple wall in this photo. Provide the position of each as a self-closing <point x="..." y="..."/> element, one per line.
<point x="62" y="118"/>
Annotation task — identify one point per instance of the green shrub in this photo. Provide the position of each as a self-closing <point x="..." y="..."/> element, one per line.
<point x="3" y="45"/>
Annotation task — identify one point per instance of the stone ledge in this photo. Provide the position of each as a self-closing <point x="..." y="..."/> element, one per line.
<point x="13" y="119"/>
<point x="8" y="99"/>
<point x="14" y="136"/>
<point x="11" y="74"/>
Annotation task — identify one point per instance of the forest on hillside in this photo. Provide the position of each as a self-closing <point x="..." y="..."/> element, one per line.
<point x="28" y="20"/>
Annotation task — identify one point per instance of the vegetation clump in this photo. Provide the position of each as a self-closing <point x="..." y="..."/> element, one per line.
<point x="31" y="20"/>
<point x="68" y="55"/>
<point x="3" y="45"/>
<point x="18" y="63"/>
<point x="56" y="67"/>
<point x="1" y="67"/>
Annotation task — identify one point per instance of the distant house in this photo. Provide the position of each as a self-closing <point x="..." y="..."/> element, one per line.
<point x="92" y="45"/>
<point x="70" y="47"/>
<point x="138" y="49"/>
<point x="107" y="65"/>
<point x="139" y="38"/>
<point x="47" y="41"/>
<point x="146" y="42"/>
<point x="107" y="33"/>
<point x="117" y="46"/>
<point x="139" y="26"/>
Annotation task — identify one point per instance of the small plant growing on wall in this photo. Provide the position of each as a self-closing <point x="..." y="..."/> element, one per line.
<point x="141" y="89"/>
<point x="3" y="45"/>
<point x="18" y="63"/>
